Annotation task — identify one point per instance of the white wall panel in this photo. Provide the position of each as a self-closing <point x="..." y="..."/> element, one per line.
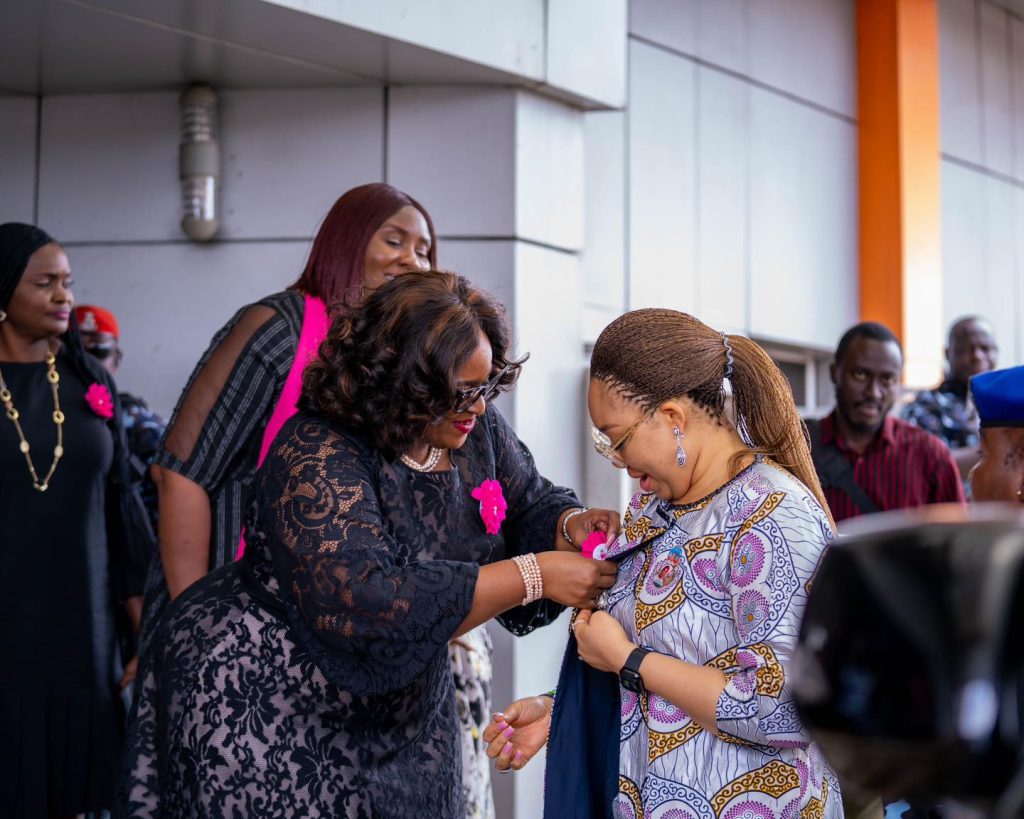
<point x="548" y="172"/>
<point x="996" y="89"/>
<point x="462" y="28"/>
<point x="1002" y="273"/>
<point x="959" y="80"/>
<point x="586" y="48"/>
<point x="549" y="402"/>
<point x="671" y="23"/>
<point x="288" y="154"/>
<point x="1016" y="354"/>
<point x="489" y="265"/>
<point x="803" y="212"/>
<point x="109" y="167"/>
<point x="603" y="261"/>
<point x="724" y="169"/>
<point x="964" y="239"/>
<point x="808" y="48"/>
<point x="722" y="29"/>
<point x="17" y="158"/>
<point x="980" y="246"/>
<point x="662" y="179"/>
<point x="170" y="300"/>
<point x="1017" y="84"/>
<point x="454" y="150"/>
<point x="713" y="30"/>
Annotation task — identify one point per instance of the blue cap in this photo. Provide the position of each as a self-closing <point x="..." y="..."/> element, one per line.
<point x="999" y="397"/>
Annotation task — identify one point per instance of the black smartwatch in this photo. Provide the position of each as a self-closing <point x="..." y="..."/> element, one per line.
<point x="629" y="674"/>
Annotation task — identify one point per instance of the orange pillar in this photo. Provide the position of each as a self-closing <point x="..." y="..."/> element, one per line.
<point x="900" y="217"/>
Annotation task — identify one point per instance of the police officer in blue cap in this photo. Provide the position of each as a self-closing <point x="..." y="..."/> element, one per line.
<point x="999" y="398"/>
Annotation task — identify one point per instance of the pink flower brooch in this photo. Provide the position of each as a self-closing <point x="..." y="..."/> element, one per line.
<point x="492" y="505"/>
<point x="99" y="401"/>
<point x="595" y="546"/>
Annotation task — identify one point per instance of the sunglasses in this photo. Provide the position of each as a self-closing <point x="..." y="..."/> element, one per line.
<point x="604" y="446"/>
<point x="102" y="352"/>
<point x="464" y="399"/>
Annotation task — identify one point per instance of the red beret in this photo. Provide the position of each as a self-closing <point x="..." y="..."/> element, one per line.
<point x="92" y="319"/>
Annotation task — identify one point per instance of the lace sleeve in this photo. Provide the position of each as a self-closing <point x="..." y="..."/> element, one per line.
<point x="373" y="619"/>
<point x="228" y="395"/>
<point x="534" y="507"/>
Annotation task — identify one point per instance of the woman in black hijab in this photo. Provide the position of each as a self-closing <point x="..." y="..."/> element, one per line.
<point x="73" y="548"/>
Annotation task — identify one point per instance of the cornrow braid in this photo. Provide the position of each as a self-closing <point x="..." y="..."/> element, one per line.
<point x="656" y="355"/>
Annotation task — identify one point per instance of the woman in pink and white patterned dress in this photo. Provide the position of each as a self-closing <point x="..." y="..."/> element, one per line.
<point x="715" y="561"/>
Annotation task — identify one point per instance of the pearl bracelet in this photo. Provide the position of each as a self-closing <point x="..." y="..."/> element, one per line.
<point x="565" y="523"/>
<point x="529" y="568"/>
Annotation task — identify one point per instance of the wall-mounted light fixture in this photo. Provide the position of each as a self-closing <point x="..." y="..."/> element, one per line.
<point x="199" y="163"/>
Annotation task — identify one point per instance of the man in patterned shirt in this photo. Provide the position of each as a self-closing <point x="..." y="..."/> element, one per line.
<point x="144" y="428"/>
<point x="947" y="410"/>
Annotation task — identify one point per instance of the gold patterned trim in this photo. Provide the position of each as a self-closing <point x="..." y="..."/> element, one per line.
<point x="709" y="543"/>
<point x="659" y="744"/>
<point x="770" y="504"/>
<point x="775" y="780"/>
<point x="628" y="788"/>
<point x="816" y="807"/>
<point x="647" y="614"/>
<point x="636" y="530"/>
<point x="770" y="676"/>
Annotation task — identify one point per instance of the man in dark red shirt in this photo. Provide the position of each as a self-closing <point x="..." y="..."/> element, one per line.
<point x="869" y="461"/>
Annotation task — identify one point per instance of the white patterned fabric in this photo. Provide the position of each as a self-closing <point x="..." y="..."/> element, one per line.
<point x="470" y="657"/>
<point x="724" y="585"/>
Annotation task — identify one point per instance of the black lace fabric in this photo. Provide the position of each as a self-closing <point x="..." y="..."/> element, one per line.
<point x="313" y="677"/>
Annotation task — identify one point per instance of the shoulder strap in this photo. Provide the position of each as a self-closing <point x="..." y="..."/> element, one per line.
<point x="835" y="471"/>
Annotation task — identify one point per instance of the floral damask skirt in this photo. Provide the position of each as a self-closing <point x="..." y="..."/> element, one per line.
<point x="471" y="666"/>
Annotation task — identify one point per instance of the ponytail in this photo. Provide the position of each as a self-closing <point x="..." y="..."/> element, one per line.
<point x="764" y="406"/>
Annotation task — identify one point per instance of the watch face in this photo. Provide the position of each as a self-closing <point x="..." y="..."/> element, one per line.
<point x="631" y="680"/>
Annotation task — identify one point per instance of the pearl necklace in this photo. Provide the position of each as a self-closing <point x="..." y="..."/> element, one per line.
<point x="58" y="418"/>
<point x="433" y="457"/>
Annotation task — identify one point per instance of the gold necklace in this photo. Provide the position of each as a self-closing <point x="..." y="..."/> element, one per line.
<point x="58" y="418"/>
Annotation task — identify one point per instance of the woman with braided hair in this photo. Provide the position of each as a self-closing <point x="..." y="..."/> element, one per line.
<point x="693" y="646"/>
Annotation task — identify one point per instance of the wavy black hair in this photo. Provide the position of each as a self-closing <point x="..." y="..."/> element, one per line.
<point x="387" y="368"/>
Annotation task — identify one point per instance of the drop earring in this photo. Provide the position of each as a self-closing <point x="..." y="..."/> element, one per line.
<point x="680" y="452"/>
<point x="3" y="316"/>
<point x="1020" y="494"/>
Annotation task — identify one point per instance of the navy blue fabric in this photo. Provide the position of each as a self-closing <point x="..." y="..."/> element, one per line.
<point x="582" y="774"/>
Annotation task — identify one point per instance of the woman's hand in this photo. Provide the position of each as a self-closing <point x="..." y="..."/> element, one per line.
<point x="574" y="580"/>
<point x="593" y="520"/>
<point x="601" y="641"/>
<point x="516" y="735"/>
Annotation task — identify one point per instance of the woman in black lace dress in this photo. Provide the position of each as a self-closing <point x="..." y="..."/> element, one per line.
<point x="312" y="677"/>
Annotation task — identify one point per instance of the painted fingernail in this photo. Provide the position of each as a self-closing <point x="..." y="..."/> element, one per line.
<point x="519" y="757"/>
<point x="498" y="715"/>
<point x="507" y="749"/>
<point x="508" y="732"/>
<point x="502" y="725"/>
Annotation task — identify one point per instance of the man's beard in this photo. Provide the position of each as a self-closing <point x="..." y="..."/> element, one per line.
<point x="861" y="426"/>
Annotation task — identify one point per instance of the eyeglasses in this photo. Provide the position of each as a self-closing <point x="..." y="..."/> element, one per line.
<point x="464" y="399"/>
<point x="604" y="446"/>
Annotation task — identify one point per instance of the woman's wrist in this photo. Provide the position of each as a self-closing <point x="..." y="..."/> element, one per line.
<point x="544" y="564"/>
<point x="566" y="517"/>
<point x="532" y="576"/>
